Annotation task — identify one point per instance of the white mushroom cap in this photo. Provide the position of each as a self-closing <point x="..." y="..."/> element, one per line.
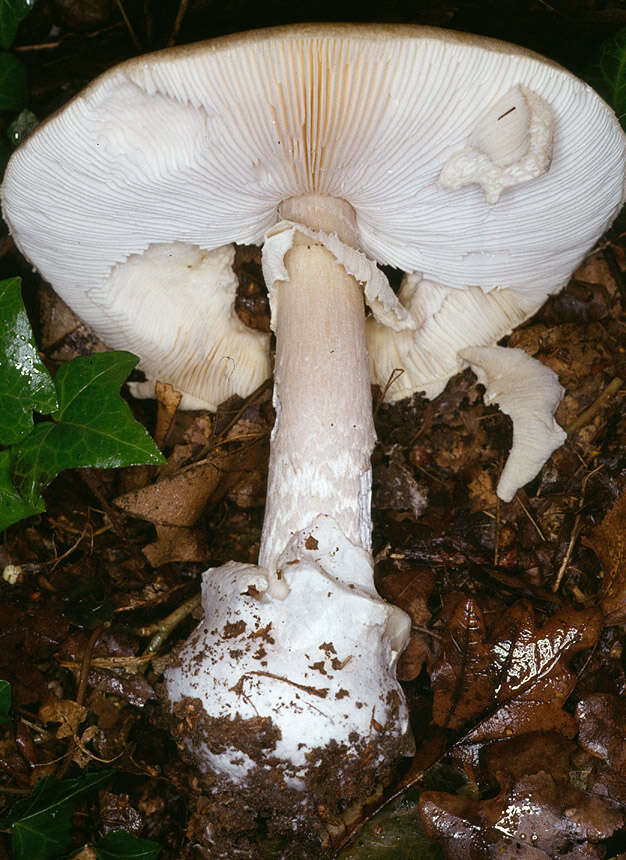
<point x="446" y="321"/>
<point x="201" y="144"/>
<point x="529" y="393"/>
<point x="176" y="304"/>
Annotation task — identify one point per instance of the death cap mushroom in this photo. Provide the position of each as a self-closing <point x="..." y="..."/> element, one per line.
<point x="481" y="170"/>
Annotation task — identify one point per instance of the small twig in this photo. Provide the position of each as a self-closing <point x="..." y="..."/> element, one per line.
<point x="568" y="553"/>
<point x="496" y="544"/>
<point x="426" y="631"/>
<point x="129" y="26"/>
<point x="428" y="415"/>
<point x="322" y="692"/>
<point x="110" y="662"/>
<point x="93" y="482"/>
<point x="59" y="558"/>
<point x="84" y="667"/>
<point x="147" y="16"/>
<point x="80" y="694"/>
<point x="575" y="530"/>
<point x="5" y="789"/>
<point x="589" y="414"/>
<point x="182" y="9"/>
<point x="531" y="518"/>
<point x="395" y="374"/>
<point x="162" y="630"/>
<point x="51" y="46"/>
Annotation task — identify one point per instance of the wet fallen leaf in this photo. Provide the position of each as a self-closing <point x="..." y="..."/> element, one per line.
<point x="512" y="679"/>
<point x="118" y="813"/>
<point x="410" y="590"/>
<point x="608" y="541"/>
<point x="535" y="817"/>
<point x="601" y="723"/>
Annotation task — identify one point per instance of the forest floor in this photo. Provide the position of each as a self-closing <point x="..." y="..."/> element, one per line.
<point x="529" y="747"/>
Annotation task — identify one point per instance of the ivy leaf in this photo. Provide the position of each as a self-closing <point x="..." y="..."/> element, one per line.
<point x="5" y="701"/>
<point x="13" y="507"/>
<point x="120" y="845"/>
<point x="607" y="73"/>
<point x="41" y="823"/>
<point x="396" y="831"/>
<point x="93" y="426"/>
<point x="13" y="83"/>
<point x="25" y="384"/>
<point x="11" y="13"/>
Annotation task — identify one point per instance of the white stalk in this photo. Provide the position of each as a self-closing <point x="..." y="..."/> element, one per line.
<point x="324" y="433"/>
<point x="295" y="658"/>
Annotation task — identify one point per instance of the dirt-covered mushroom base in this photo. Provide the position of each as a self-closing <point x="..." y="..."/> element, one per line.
<point x="227" y="817"/>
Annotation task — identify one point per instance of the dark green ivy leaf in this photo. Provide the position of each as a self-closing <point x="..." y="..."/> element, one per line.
<point x="13" y="507"/>
<point x="395" y="833"/>
<point x="607" y="73"/>
<point x="25" y="384"/>
<point x="13" y="83"/>
<point x="5" y="701"/>
<point x="93" y="426"/>
<point x="120" y="845"/>
<point x="11" y="13"/>
<point x="41" y="823"/>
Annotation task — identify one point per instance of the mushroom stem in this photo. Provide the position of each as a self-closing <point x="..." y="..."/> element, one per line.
<point x="324" y="432"/>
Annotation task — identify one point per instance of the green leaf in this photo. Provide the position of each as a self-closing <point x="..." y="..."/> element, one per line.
<point x="607" y="73"/>
<point x="5" y="701"/>
<point x="11" y="13"/>
<point x="120" y="845"/>
<point x="13" y="83"/>
<point x="94" y="426"/>
<point x="41" y="823"/>
<point x="13" y="507"/>
<point x="396" y="832"/>
<point x="25" y="384"/>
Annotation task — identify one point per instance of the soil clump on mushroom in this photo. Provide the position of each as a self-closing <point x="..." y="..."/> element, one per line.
<point x="547" y="547"/>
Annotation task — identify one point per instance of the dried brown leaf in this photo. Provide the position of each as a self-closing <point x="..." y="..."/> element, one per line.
<point x="512" y="679"/>
<point x="410" y="590"/>
<point x="64" y="711"/>
<point x="168" y="401"/>
<point x="176" y="544"/>
<point x="413" y="657"/>
<point x="179" y="500"/>
<point x="395" y="487"/>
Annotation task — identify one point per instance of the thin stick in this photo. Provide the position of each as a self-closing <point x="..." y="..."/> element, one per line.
<point x="395" y="374"/>
<point x="165" y="627"/>
<point x="575" y="531"/>
<point x="129" y="26"/>
<point x="80" y="695"/>
<point x="496" y="546"/>
<point x="147" y="16"/>
<point x="589" y="414"/>
<point x="531" y="518"/>
<point x="182" y="9"/>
